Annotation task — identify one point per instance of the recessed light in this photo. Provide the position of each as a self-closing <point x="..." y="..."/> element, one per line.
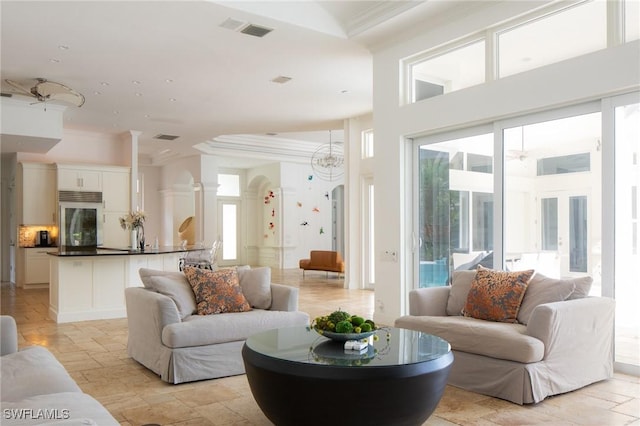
<point x="104" y="83"/>
<point x="135" y="82"/>
<point x="138" y="94"/>
<point x="172" y="99"/>
<point x="164" y="151"/>
<point x="147" y="116"/>
<point x="168" y="80"/>
<point x="97" y="93"/>
<point x="116" y="112"/>
<point x="54" y="60"/>
<point x="281" y="79"/>
<point x="63" y="47"/>
<point x="344" y="91"/>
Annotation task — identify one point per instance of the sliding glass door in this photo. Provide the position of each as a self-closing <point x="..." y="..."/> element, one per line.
<point x="552" y="192"/>
<point x="561" y="196"/>
<point x="455" y="205"/>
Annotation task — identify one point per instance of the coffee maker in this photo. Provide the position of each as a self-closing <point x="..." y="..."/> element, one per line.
<point x="43" y="238"/>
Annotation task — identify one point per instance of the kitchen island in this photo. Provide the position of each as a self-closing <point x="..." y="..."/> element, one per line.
<point x="89" y="284"/>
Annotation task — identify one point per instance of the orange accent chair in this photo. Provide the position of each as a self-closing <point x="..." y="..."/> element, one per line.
<point x="323" y="260"/>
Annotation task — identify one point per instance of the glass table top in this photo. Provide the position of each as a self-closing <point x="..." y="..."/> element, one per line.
<point x="393" y="346"/>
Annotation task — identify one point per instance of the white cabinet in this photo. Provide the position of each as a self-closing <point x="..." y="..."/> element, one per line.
<point x="36" y="267"/>
<point x="37" y="191"/>
<point x="116" y="190"/>
<point x="79" y="179"/>
<point x="116" y="201"/>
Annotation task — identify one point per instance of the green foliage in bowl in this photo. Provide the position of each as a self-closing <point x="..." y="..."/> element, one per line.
<point x="343" y="323"/>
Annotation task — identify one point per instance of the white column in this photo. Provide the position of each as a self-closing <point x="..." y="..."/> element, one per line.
<point x="134" y="169"/>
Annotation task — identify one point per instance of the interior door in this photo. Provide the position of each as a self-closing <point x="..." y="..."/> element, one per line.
<point x="564" y="229"/>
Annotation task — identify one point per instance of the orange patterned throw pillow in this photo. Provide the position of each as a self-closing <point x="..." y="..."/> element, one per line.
<point x="496" y="295"/>
<point x="217" y="291"/>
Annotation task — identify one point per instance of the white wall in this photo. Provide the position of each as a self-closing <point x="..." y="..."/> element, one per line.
<point x="573" y="81"/>
<point x="82" y="147"/>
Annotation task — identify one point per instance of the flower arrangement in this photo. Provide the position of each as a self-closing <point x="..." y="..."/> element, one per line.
<point x="132" y="220"/>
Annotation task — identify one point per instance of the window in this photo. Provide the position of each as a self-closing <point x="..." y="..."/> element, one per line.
<point x="453" y="70"/>
<point x="367" y="144"/>
<point x="562" y="35"/>
<point x="565" y="164"/>
<point x="229" y="185"/>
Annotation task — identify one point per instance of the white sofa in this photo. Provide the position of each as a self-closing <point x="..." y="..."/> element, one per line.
<point x="563" y="339"/>
<point x="168" y="337"/>
<point x="37" y="390"/>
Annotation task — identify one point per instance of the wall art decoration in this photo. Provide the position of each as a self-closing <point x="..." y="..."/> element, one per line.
<point x="268" y="197"/>
<point x="321" y="230"/>
<point x="271" y="225"/>
<point x="299" y="204"/>
<point x="273" y="212"/>
<point x="326" y="195"/>
<point x="315" y="210"/>
<point x="310" y="177"/>
<point x="305" y="223"/>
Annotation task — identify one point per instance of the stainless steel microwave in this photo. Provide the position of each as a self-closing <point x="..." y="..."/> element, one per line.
<point x="81" y="219"/>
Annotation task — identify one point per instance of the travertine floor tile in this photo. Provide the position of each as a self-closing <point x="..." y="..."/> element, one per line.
<point x="94" y="353"/>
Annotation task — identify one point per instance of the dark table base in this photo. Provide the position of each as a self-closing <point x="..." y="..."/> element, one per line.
<point x="291" y="393"/>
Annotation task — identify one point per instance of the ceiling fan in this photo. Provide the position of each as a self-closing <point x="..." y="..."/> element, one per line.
<point x="45" y="90"/>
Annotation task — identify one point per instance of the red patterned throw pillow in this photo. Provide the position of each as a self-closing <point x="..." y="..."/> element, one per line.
<point x="496" y="295"/>
<point x="217" y="291"/>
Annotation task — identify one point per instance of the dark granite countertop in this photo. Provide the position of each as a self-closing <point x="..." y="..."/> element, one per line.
<point x="114" y="251"/>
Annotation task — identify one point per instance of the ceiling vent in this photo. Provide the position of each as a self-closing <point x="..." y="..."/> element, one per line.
<point x="256" y="30"/>
<point x="166" y="137"/>
<point x="281" y="79"/>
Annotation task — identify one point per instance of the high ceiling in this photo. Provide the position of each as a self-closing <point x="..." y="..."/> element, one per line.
<point x="172" y="68"/>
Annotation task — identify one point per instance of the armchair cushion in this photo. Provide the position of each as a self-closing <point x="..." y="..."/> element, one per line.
<point x="218" y="291"/>
<point x="256" y="286"/>
<point x="172" y="284"/>
<point x="460" y="286"/>
<point x="541" y="290"/>
<point x="496" y="295"/>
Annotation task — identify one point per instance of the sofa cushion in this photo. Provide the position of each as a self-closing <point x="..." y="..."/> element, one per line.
<point x="542" y="289"/>
<point x="71" y="409"/>
<point x="33" y="371"/>
<point x="583" y="287"/>
<point x="460" y="285"/>
<point x="172" y="284"/>
<point x="496" y="295"/>
<point x="256" y="286"/>
<point x="216" y="292"/>
<point x="199" y="330"/>
<point x="489" y="338"/>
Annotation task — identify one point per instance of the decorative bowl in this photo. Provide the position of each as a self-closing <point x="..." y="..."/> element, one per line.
<point x="343" y="337"/>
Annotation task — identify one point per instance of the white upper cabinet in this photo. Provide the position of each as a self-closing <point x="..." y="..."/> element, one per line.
<point x="37" y="190"/>
<point x="79" y="179"/>
<point x="116" y="190"/>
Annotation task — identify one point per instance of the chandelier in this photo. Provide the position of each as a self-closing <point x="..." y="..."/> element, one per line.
<point x="328" y="161"/>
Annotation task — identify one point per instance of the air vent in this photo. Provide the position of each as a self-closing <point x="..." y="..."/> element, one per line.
<point x="80" y="196"/>
<point x="281" y="79"/>
<point x="256" y="30"/>
<point x="6" y="95"/>
<point x="166" y="137"/>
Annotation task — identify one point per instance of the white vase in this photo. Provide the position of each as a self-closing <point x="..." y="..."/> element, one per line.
<point x="134" y="239"/>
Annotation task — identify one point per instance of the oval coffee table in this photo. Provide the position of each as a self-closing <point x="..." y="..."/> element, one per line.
<point x="301" y="378"/>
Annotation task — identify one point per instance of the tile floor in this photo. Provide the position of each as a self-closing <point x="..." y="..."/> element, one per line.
<point x="94" y="352"/>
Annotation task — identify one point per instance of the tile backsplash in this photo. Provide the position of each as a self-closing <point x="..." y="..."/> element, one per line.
<point x="27" y="234"/>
